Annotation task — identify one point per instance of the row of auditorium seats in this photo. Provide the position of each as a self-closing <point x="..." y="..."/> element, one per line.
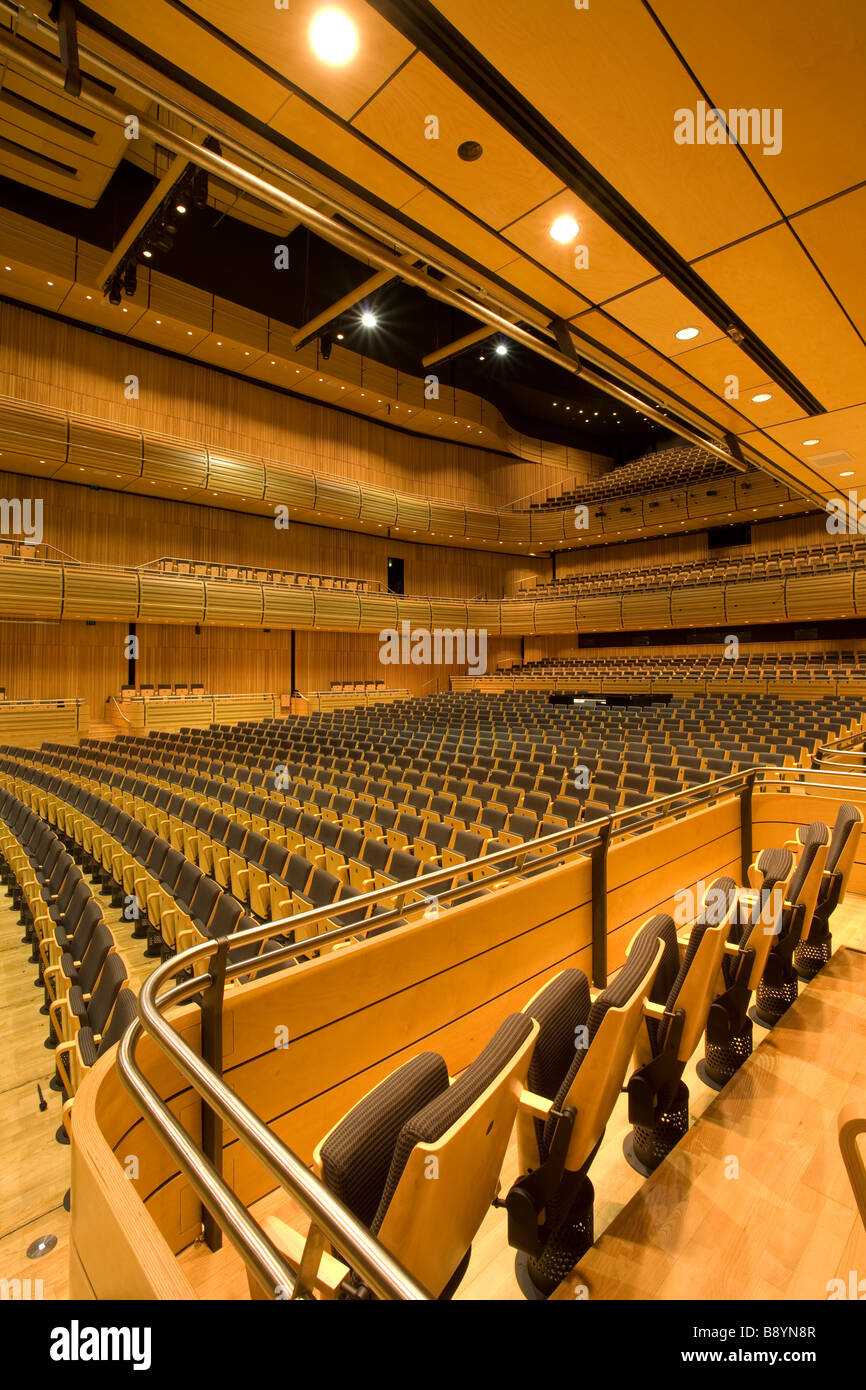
<point x="844" y="554"/>
<point x="555" y="1070"/>
<point x="87" y="996"/>
<point x="339" y="686"/>
<point x="557" y="766"/>
<point x="663" y="469"/>
<point x="147" y="692"/>
<point x="212" y="569"/>
<point x="713" y="666"/>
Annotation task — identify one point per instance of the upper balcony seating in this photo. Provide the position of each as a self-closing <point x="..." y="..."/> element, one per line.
<point x="666" y="468"/>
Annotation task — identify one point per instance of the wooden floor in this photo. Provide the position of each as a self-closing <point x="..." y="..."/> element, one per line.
<point x="34" y="1169"/>
<point x="755" y="1202"/>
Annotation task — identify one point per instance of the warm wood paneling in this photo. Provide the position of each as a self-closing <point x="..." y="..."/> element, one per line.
<point x="57" y="364"/>
<point x="113" y="528"/>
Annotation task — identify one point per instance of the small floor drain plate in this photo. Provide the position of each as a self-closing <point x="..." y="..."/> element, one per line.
<point x="41" y="1247"/>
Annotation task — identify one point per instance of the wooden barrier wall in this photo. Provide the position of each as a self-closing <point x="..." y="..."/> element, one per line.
<point x="353" y="1016"/>
<point x="29" y="723"/>
<point x="48" y="591"/>
<point x="54" y="443"/>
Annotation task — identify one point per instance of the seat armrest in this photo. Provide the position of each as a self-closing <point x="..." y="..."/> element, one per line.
<point x="539" y="1107"/>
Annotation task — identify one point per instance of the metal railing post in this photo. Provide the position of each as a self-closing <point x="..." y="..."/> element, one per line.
<point x="746" y="826"/>
<point x="212" y="1054"/>
<point x="599" y="906"/>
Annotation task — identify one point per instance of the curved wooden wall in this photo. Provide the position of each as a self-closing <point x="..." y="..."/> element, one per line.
<point x="55" y="591"/>
<point x="36" y="439"/>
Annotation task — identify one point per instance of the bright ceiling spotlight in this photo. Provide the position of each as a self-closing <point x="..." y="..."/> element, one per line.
<point x="369" y="320"/>
<point x="807" y="443"/>
<point x="334" y="37"/>
<point x="501" y="349"/>
<point x="685" y="334"/>
<point x="180" y="207"/>
<point x="764" y="396"/>
<point x="564" y="229"/>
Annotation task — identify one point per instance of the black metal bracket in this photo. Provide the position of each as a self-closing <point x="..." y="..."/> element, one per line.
<point x="67" y="24"/>
<point x="533" y="1192"/>
<point x="746" y="825"/>
<point x="212" y="1053"/>
<point x="657" y="1076"/>
<point x="598" y="858"/>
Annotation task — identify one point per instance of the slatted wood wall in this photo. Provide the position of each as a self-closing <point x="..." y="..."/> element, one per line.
<point x="56" y="364"/>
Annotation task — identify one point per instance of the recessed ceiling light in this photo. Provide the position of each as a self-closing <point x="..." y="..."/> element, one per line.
<point x="684" y="334"/>
<point x="180" y="207"/>
<point x="159" y="320"/>
<point x="333" y="37"/>
<point x="88" y="296"/>
<point x="501" y="349"/>
<point x="850" y="474"/>
<point x="763" y="396"/>
<point x="51" y="283"/>
<point x="564" y="229"/>
<point x="340" y="337"/>
<point x="369" y="320"/>
<point x="807" y="443"/>
<point x="7" y="267"/>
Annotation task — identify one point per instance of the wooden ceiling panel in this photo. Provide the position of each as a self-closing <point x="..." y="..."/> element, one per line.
<point x="606" y="78"/>
<point x="656" y="312"/>
<point x="803" y="59"/>
<point x="598" y="263"/>
<point x="770" y="283"/>
<point x="169" y="32"/>
<point x="531" y="280"/>
<point x="280" y="38"/>
<point x="456" y="227"/>
<point x="499" y="187"/>
<point x="337" y="147"/>
<point x="835" y="236"/>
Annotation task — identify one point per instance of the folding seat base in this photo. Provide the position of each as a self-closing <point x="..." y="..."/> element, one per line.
<point x="774" y="997"/>
<point x="538" y="1275"/>
<point x="812" y="956"/>
<point x="721" y="1061"/>
<point x="647" y="1145"/>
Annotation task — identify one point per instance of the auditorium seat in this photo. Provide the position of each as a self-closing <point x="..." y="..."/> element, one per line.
<point x="658" y="1098"/>
<point x="577" y="1069"/>
<point x="379" y="1158"/>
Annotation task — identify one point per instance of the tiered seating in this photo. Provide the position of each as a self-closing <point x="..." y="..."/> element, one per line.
<point x="212" y="569"/>
<point x="87" y="996"/>
<point x="845" y="554"/>
<point x="846" y="665"/>
<point x="668" y="468"/>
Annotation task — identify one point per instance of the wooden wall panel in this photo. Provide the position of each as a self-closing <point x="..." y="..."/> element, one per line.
<point x="69" y="659"/>
<point x="63" y="660"/>
<point x="58" y="364"/>
<point x="113" y="528"/>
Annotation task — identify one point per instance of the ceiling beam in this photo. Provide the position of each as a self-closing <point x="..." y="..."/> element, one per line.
<point x="175" y="171"/>
<point x="459" y="345"/>
<point x="303" y="334"/>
